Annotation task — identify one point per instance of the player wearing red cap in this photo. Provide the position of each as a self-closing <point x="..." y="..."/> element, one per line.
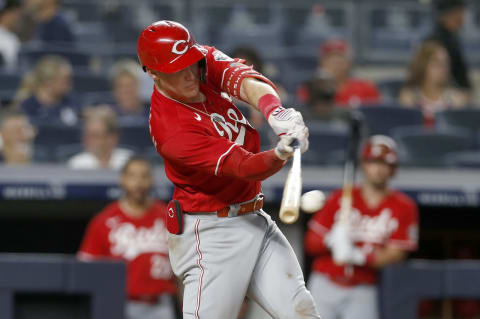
<point x="382" y="229"/>
<point x="221" y="244"/>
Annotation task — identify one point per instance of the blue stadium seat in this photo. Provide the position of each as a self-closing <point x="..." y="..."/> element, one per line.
<point x="86" y="82"/>
<point x="135" y="136"/>
<point x="49" y="137"/>
<point x="429" y="148"/>
<point x="29" y="55"/>
<point x="55" y="134"/>
<point x="390" y="88"/>
<point x="9" y="83"/>
<point x="326" y="142"/>
<point x="62" y="153"/>
<point x="468" y="119"/>
<point x="381" y="119"/>
<point x="467" y="159"/>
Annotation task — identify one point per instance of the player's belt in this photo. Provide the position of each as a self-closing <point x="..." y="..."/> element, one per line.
<point x="237" y="209"/>
<point x="242" y="208"/>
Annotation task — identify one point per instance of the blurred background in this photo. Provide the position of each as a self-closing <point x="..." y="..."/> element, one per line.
<point x="74" y="106"/>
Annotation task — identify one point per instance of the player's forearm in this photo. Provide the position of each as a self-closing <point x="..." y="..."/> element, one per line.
<point x="253" y="167"/>
<point x="386" y="256"/>
<point x="252" y="90"/>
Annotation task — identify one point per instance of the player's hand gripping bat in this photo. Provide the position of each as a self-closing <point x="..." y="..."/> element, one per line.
<point x="292" y="190"/>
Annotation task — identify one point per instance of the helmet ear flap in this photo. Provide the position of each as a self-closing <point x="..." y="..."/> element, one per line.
<point x="202" y="69"/>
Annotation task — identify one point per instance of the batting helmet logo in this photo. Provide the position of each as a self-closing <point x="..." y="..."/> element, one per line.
<point x="175" y="49"/>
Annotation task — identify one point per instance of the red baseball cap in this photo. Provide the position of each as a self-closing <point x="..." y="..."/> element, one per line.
<point x="338" y="46"/>
<point x="380" y="148"/>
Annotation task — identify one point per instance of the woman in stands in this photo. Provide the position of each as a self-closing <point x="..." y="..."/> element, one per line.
<point x="127" y="100"/>
<point x="45" y="94"/>
<point x="428" y="84"/>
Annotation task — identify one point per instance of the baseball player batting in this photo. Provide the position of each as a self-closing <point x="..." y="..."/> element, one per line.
<point x="222" y="245"/>
<point x="381" y="229"/>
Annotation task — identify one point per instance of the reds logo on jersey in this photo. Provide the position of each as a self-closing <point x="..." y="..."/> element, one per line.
<point x="372" y="229"/>
<point x="129" y="241"/>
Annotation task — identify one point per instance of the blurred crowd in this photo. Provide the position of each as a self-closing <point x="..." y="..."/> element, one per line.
<point x="56" y="114"/>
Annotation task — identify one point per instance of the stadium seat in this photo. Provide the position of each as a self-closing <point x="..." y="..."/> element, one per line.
<point x="29" y="55"/>
<point x="381" y="119"/>
<point x="390" y="88"/>
<point x="9" y="83"/>
<point x="86" y="82"/>
<point x="429" y="148"/>
<point x="49" y="137"/>
<point x="325" y="141"/>
<point x="468" y="119"/>
<point x="62" y="153"/>
<point x="55" y="134"/>
<point x="467" y="159"/>
<point x="135" y="136"/>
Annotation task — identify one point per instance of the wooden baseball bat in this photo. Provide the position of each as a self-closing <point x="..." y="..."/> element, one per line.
<point x="350" y="167"/>
<point x="290" y="206"/>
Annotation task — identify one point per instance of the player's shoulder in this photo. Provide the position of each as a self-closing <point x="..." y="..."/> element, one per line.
<point x="215" y="54"/>
<point x="402" y="199"/>
<point x="159" y="207"/>
<point x="170" y="117"/>
<point x="335" y="195"/>
<point x="112" y="209"/>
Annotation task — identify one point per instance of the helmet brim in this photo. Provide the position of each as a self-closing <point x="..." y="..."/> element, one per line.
<point x="190" y="57"/>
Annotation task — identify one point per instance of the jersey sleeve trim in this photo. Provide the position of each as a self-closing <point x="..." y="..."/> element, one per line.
<point x="223" y="76"/>
<point x="318" y="228"/>
<point x="219" y="161"/>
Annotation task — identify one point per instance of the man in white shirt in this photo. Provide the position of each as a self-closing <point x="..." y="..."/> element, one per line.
<point x="100" y="140"/>
<point x="10" y="13"/>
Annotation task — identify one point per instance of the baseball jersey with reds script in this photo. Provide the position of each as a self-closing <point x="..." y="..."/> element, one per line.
<point x="194" y="140"/>
<point x="140" y="242"/>
<point x="394" y="222"/>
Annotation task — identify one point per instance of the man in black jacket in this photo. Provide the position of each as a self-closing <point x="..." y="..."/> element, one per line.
<point x="449" y="20"/>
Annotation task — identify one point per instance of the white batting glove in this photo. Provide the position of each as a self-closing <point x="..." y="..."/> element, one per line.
<point x="357" y="257"/>
<point x="289" y="122"/>
<point x="340" y="244"/>
<point x="284" y="150"/>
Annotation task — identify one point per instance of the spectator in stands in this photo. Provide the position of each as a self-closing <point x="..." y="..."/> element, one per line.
<point x="100" y="140"/>
<point x="45" y="94"/>
<point x="321" y="101"/>
<point x="16" y="139"/>
<point x="125" y="79"/>
<point x="10" y="13"/>
<point x="50" y="25"/>
<point x="336" y="60"/>
<point x="428" y="85"/>
<point x="132" y="230"/>
<point x="449" y="21"/>
<point x="380" y="230"/>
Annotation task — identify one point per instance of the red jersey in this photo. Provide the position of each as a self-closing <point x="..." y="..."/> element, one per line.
<point x="355" y="92"/>
<point x="194" y="140"/>
<point x="140" y="242"/>
<point x="394" y="222"/>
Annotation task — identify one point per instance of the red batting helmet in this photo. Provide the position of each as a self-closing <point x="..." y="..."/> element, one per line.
<point x="380" y="148"/>
<point x="168" y="47"/>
